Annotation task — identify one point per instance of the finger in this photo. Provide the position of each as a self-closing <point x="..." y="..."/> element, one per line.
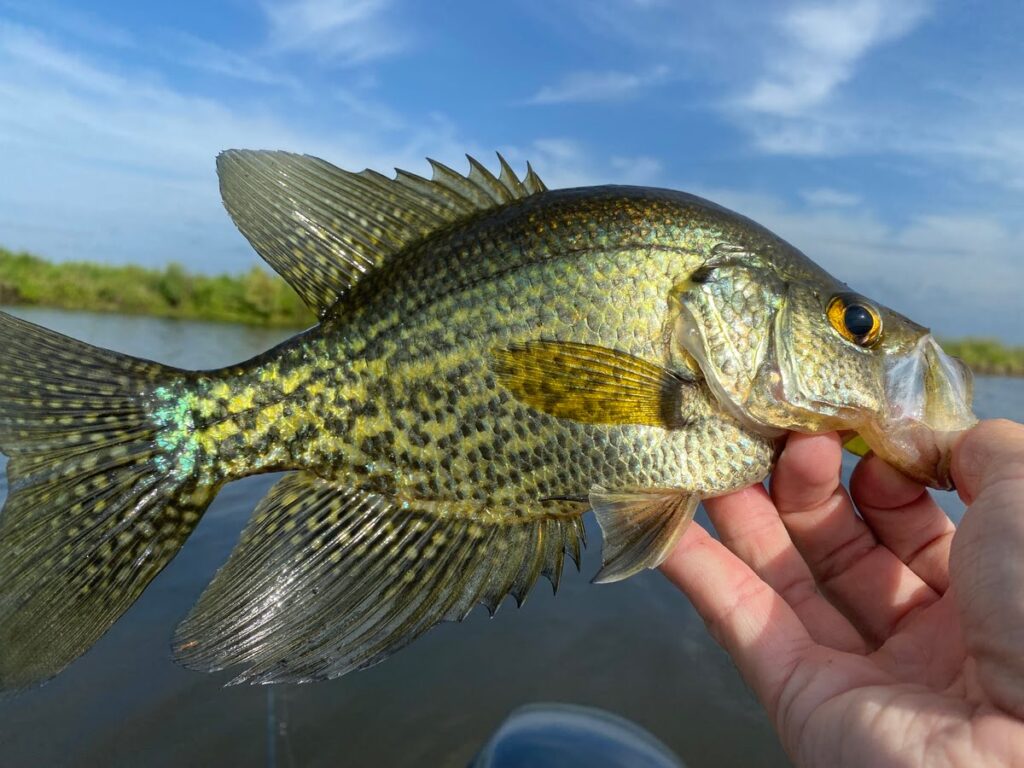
<point x="749" y="525"/>
<point x="986" y="566"/>
<point x="905" y="519"/>
<point x="872" y="587"/>
<point x="992" y="451"/>
<point x="746" y="617"/>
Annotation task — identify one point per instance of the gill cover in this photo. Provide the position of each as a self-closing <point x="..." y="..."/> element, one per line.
<point x="724" y="318"/>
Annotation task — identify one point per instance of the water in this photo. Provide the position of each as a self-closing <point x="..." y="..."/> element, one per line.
<point x="635" y="648"/>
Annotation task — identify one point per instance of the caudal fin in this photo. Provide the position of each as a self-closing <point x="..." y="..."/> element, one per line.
<point x="99" y="498"/>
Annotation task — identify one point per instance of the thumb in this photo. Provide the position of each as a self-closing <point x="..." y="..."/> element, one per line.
<point x="987" y="558"/>
<point x="991" y="451"/>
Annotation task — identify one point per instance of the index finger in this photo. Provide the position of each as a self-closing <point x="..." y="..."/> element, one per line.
<point x="751" y="621"/>
<point x="866" y="580"/>
<point x="905" y="518"/>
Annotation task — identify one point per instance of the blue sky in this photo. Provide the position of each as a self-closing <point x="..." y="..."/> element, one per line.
<point x="883" y="138"/>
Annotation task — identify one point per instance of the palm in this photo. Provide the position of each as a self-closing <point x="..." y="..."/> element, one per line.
<point x="848" y="629"/>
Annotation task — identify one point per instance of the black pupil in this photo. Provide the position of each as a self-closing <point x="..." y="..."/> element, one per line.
<point x="859" y="321"/>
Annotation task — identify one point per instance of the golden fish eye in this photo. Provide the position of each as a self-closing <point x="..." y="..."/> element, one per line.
<point x="855" y="320"/>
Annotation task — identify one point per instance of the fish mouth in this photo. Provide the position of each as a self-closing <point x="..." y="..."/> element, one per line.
<point x="928" y="404"/>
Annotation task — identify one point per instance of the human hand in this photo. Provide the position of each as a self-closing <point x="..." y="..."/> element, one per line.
<point x="895" y="639"/>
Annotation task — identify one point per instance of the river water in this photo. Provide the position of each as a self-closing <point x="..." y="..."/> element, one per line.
<point x="635" y="648"/>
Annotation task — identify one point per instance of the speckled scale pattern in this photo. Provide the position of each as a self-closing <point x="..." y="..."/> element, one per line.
<point x="395" y="394"/>
<point x="421" y="331"/>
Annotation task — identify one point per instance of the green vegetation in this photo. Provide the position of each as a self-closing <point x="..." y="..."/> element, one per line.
<point x="988" y="356"/>
<point x="256" y="297"/>
<point x="260" y="298"/>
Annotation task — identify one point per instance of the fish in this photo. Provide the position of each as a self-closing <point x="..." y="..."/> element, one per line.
<point x="491" y="361"/>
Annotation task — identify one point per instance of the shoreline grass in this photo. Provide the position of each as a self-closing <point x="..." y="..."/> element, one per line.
<point x="989" y="357"/>
<point x="260" y="298"/>
<point x="256" y="297"/>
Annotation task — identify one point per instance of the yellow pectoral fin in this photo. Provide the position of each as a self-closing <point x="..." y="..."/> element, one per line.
<point x="592" y="385"/>
<point x="856" y="445"/>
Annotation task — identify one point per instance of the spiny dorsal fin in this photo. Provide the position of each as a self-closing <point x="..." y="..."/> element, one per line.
<point x="322" y="228"/>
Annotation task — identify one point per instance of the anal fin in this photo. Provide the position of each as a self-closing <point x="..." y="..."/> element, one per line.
<point x="327" y="579"/>
<point x="640" y="528"/>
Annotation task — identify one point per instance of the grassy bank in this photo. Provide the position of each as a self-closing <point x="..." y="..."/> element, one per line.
<point x="988" y="356"/>
<point x="256" y="297"/>
<point x="259" y="297"/>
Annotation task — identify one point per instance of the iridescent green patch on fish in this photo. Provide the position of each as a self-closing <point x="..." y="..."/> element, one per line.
<point x="492" y="360"/>
<point x="175" y="430"/>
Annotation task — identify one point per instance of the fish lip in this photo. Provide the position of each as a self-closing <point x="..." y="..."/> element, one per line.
<point x="928" y="398"/>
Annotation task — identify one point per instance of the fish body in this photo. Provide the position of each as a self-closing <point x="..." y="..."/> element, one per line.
<point x="395" y="390"/>
<point x="492" y="361"/>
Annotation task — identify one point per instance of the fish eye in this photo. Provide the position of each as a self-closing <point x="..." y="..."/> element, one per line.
<point x="855" y="320"/>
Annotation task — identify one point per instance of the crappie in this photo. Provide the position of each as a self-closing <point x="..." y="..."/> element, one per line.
<point x="492" y="360"/>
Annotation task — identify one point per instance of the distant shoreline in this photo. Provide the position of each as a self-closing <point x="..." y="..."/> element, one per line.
<point x="260" y="298"/>
<point x="256" y="297"/>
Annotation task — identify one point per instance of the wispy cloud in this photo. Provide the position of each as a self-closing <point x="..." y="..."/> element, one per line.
<point x="562" y="162"/>
<point x="346" y="31"/>
<point x="201" y="54"/>
<point x="111" y="163"/>
<point x="578" y="87"/>
<point x="108" y="140"/>
<point x="820" y="47"/>
<point x="77" y="23"/>
<point x="23" y="46"/>
<point x="827" y="197"/>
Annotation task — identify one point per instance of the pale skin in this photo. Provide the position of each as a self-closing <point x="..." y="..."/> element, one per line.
<point x="892" y="640"/>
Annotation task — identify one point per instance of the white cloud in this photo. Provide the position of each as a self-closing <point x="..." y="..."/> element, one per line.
<point x="204" y="55"/>
<point x="24" y="46"/>
<point x="578" y="87"/>
<point x="958" y="274"/>
<point x="348" y="31"/>
<point x="108" y="162"/>
<point x="563" y="162"/>
<point x="820" y="47"/>
<point x="827" y="197"/>
<point x="113" y="164"/>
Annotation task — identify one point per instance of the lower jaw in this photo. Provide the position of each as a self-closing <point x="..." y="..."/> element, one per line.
<point x="920" y="453"/>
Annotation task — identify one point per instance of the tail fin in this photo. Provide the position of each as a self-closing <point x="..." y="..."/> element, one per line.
<point x="99" y="498"/>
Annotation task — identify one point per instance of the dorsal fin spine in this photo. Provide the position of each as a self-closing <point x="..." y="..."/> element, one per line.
<point x="453" y="181"/>
<point x="533" y="182"/>
<point x="488" y="181"/>
<point x="509" y="179"/>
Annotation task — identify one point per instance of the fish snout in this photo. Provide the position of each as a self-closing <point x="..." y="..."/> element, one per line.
<point x="928" y="404"/>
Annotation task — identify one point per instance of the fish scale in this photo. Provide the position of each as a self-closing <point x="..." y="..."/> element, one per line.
<point x="492" y="361"/>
